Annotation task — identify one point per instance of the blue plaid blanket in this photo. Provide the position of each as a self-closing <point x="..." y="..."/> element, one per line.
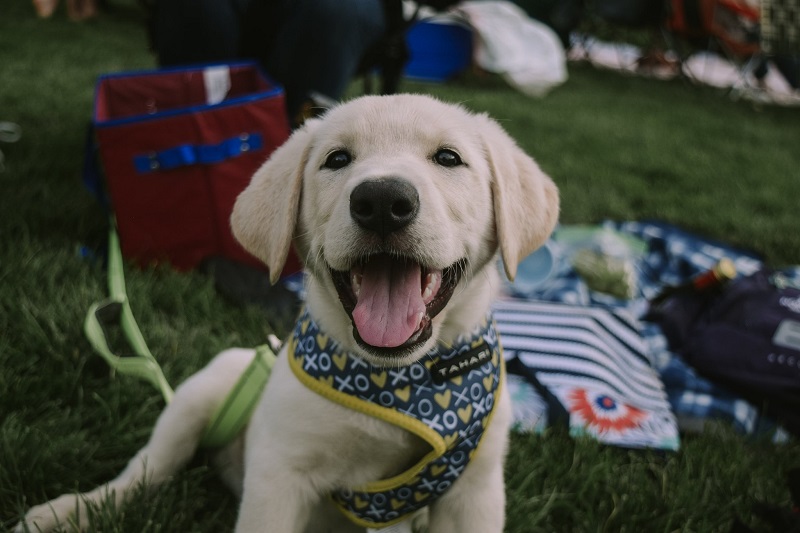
<point x="671" y="256"/>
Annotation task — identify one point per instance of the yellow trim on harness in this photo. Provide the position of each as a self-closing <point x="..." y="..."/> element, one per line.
<point x="416" y="427"/>
<point x="372" y="486"/>
<point x="392" y="416"/>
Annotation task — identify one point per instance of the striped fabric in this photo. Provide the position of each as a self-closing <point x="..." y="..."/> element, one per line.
<point x="590" y="366"/>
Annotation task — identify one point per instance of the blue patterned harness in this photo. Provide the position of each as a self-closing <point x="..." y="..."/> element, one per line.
<point x="447" y="399"/>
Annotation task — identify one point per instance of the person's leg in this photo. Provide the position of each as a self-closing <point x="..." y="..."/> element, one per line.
<point x="320" y="45"/>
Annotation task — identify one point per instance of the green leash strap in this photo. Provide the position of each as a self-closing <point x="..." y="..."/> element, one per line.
<point x="233" y="413"/>
<point x="115" y="310"/>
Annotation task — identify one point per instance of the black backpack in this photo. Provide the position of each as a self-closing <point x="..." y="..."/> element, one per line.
<point x="745" y="337"/>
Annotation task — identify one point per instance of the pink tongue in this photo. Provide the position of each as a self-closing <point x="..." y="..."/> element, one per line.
<point x="387" y="312"/>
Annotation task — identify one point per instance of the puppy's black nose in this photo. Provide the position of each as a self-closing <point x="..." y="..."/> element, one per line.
<point x="384" y="205"/>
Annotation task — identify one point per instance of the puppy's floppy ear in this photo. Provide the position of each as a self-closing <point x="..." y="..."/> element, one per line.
<point x="265" y="213"/>
<point x="526" y="203"/>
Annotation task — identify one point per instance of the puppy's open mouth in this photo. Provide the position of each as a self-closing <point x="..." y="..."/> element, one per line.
<point x="392" y="301"/>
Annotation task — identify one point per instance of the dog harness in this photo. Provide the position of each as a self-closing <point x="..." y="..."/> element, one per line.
<point x="447" y="399"/>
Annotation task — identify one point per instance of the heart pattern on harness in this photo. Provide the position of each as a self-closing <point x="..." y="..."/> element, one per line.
<point x="450" y="415"/>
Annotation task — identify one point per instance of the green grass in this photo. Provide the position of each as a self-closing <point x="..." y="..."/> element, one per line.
<point x="619" y="148"/>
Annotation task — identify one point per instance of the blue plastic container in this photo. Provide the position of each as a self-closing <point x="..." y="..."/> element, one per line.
<point x="439" y="50"/>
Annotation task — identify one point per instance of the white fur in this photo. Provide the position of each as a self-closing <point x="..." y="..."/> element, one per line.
<point x="299" y="446"/>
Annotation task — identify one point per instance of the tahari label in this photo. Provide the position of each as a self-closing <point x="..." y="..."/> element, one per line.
<point x="443" y="371"/>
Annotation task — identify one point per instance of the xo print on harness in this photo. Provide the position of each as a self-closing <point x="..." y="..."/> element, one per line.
<point x="450" y="412"/>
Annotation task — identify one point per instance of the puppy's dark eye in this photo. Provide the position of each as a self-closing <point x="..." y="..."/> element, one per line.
<point x="447" y="158"/>
<point x="338" y="159"/>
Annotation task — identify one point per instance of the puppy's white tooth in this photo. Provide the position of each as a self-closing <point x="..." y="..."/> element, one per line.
<point x="430" y="282"/>
<point x="427" y="292"/>
<point x="355" y="283"/>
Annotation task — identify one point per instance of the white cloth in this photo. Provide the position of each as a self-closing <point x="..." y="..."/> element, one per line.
<point x="525" y="52"/>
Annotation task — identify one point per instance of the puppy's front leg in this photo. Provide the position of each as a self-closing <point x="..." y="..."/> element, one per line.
<point x="275" y="499"/>
<point x="474" y="504"/>
<point x="283" y="456"/>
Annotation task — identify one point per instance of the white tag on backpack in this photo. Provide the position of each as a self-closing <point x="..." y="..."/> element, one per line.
<point x="400" y="527"/>
<point x="218" y="83"/>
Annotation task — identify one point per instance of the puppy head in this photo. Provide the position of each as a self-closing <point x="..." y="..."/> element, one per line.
<point x="395" y="203"/>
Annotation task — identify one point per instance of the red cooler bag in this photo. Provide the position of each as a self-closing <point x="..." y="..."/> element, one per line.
<point x="177" y="146"/>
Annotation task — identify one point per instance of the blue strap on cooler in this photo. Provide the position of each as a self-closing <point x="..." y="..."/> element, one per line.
<point x="204" y="154"/>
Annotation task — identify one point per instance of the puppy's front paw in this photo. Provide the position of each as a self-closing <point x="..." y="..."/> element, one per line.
<point x="60" y="512"/>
